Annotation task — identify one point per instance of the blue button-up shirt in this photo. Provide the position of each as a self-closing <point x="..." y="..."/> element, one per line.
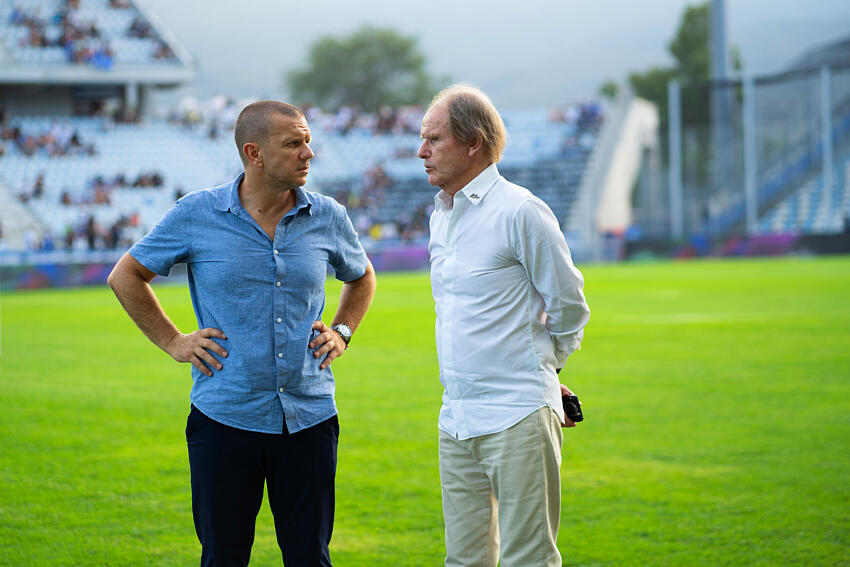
<point x="264" y="295"/>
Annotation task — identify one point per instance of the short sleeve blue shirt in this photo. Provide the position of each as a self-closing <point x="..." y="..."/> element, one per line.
<point x="264" y="295"/>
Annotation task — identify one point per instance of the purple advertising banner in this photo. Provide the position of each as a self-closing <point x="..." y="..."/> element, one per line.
<point x="40" y="271"/>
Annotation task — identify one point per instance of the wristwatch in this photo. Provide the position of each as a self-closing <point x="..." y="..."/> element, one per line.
<point x="343" y="331"/>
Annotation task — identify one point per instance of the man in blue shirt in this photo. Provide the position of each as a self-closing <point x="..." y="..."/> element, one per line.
<point x="263" y="410"/>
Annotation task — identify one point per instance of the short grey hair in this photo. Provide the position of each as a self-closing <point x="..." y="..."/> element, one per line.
<point x="471" y="114"/>
<point x="253" y="122"/>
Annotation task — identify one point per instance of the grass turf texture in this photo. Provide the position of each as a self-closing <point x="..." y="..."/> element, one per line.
<point x="717" y="432"/>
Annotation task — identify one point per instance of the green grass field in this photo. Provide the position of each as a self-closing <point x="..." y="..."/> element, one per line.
<point x="717" y="432"/>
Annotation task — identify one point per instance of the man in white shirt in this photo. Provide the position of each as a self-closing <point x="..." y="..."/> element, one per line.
<point x="510" y="310"/>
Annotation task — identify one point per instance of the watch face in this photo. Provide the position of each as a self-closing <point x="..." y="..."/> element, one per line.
<point x="344" y="331"/>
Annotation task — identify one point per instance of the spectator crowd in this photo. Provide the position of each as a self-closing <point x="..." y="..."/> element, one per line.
<point x="365" y="200"/>
<point x="219" y="113"/>
<point x="60" y="139"/>
<point x="98" y="191"/>
<point x="87" y="234"/>
<point x="81" y="39"/>
<point x="366" y="195"/>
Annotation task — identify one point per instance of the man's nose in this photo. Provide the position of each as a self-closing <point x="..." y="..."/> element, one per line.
<point x="423" y="150"/>
<point x="308" y="153"/>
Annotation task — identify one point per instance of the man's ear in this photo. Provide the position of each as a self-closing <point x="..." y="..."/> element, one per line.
<point x="253" y="153"/>
<point x="475" y="145"/>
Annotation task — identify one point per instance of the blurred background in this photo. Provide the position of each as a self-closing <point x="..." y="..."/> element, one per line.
<point x="715" y="389"/>
<point x="671" y="129"/>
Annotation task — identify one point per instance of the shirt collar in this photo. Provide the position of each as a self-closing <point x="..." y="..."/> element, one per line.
<point x="228" y="200"/>
<point x="475" y="190"/>
<point x="302" y="201"/>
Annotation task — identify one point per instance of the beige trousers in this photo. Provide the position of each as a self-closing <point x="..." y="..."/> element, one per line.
<point x="504" y="486"/>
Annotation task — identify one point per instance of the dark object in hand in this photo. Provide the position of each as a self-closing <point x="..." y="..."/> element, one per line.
<point x="572" y="408"/>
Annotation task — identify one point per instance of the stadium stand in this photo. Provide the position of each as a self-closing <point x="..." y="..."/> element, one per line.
<point x="84" y="165"/>
<point x="790" y="205"/>
<point x="792" y="195"/>
<point x="117" y="179"/>
<point x="100" y="33"/>
<point x="811" y="209"/>
<point x="75" y="75"/>
<point x="132" y="172"/>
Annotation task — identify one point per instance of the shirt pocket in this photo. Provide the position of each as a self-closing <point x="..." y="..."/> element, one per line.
<point x="314" y="380"/>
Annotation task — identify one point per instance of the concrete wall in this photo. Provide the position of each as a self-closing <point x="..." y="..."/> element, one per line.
<point x="36" y="100"/>
<point x="639" y="131"/>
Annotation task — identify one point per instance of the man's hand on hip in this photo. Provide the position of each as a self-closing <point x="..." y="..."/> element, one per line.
<point x="328" y="342"/>
<point x="195" y="348"/>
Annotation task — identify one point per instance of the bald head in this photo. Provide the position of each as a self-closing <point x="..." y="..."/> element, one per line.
<point x="472" y="114"/>
<point x="254" y="121"/>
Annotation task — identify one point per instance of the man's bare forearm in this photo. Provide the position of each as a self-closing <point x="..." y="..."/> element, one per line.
<point x="355" y="298"/>
<point x="130" y="281"/>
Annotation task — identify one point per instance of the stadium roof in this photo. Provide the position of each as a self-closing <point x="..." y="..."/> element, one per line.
<point x="832" y="54"/>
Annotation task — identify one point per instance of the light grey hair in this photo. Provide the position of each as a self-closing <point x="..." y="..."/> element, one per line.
<point x="471" y="114"/>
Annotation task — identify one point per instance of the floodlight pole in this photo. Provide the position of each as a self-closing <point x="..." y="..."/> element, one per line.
<point x="750" y="159"/>
<point x="674" y="139"/>
<point x="826" y="128"/>
<point x="721" y="104"/>
<point x="717" y="43"/>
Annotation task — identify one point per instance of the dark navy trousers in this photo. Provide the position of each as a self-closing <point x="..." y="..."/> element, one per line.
<point x="230" y="467"/>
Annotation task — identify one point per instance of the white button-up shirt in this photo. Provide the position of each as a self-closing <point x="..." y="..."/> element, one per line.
<point x="509" y="303"/>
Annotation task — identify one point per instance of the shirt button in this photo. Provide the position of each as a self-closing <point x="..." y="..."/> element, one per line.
<point x="279" y="320"/>
<point x="277" y="284"/>
<point x="275" y="251"/>
<point x="280" y="389"/>
<point x="280" y="355"/>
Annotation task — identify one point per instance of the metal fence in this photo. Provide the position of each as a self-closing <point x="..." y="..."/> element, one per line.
<point x="760" y="155"/>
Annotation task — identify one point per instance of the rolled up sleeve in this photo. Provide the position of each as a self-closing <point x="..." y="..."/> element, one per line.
<point x="348" y="258"/>
<point x="167" y="244"/>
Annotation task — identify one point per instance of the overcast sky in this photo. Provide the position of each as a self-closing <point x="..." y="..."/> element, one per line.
<point x="528" y="53"/>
